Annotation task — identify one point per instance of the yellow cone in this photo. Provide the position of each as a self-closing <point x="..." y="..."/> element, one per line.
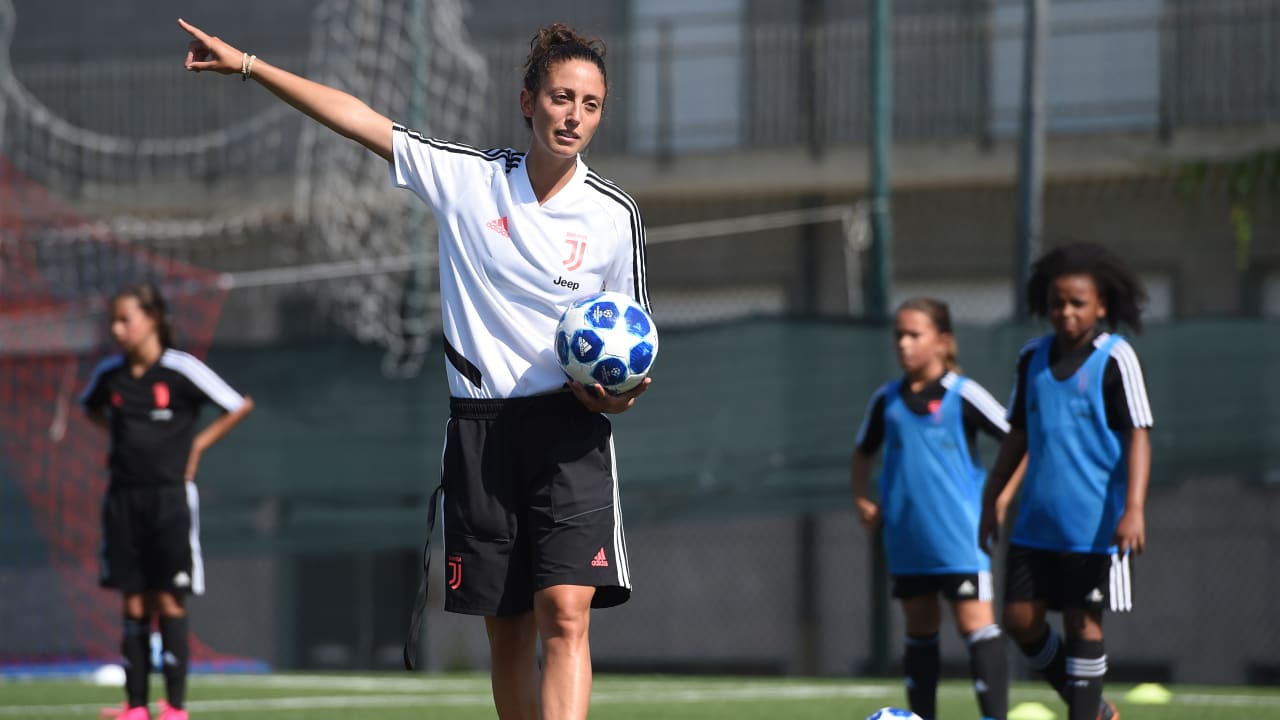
<point x="1031" y="711"/>
<point x="1148" y="694"/>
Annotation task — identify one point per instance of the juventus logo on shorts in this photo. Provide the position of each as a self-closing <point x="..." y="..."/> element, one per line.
<point x="455" y="572"/>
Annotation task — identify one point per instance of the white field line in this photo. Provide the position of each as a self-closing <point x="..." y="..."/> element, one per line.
<point x="408" y="683"/>
<point x="640" y="693"/>
<point x="656" y="688"/>
<point x="323" y="702"/>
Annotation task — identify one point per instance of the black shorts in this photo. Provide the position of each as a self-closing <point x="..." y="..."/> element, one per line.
<point x="1090" y="581"/>
<point x="530" y="501"/>
<point x="953" y="586"/>
<point x="150" y="539"/>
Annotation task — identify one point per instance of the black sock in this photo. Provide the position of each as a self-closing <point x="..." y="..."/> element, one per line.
<point x="135" y="646"/>
<point x="1048" y="657"/>
<point x="989" y="665"/>
<point x="1086" y="668"/>
<point x="922" y="665"/>
<point x="173" y="631"/>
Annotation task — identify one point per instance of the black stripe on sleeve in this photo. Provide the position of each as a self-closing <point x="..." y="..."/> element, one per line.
<point x="615" y="193"/>
<point x="510" y="158"/>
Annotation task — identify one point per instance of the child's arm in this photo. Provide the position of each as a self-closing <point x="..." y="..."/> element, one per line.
<point x="1131" y="531"/>
<point x="94" y="398"/>
<point x="1005" y="499"/>
<point x="1002" y="483"/>
<point x="860" y="475"/>
<point x="213" y="433"/>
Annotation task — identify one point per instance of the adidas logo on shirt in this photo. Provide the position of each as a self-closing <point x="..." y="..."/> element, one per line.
<point x="499" y="226"/>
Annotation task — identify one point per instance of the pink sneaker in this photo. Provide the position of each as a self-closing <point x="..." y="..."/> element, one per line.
<point x="169" y="712"/>
<point x="135" y="713"/>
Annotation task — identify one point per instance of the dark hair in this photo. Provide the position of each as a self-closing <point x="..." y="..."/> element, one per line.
<point x="1119" y="288"/>
<point x="556" y="43"/>
<point x="152" y="303"/>
<point x="940" y="315"/>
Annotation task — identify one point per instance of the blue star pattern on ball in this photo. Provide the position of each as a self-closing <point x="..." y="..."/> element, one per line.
<point x="887" y="713"/>
<point x="607" y="338"/>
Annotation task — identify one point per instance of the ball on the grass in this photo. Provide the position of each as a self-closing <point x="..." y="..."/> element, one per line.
<point x="888" y="713"/>
<point x="110" y="675"/>
<point x="607" y="338"/>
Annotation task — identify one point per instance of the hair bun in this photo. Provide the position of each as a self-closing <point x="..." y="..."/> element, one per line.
<point x="560" y="34"/>
<point x="555" y="43"/>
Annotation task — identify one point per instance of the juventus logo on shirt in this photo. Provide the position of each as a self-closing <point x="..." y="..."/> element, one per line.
<point x="161" y="413"/>
<point x="577" y="250"/>
<point x="161" y="392"/>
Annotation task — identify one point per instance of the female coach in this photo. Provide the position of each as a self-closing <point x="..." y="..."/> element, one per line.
<point x="533" y="530"/>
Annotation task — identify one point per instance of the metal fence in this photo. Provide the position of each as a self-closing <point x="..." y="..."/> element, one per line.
<point x="1133" y="65"/>
<point x="1157" y="67"/>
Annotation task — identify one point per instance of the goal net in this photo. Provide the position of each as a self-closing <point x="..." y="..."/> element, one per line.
<point x="227" y="178"/>
<point x="114" y="172"/>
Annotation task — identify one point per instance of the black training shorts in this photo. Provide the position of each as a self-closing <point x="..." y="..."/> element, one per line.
<point x="530" y="501"/>
<point x="1091" y="581"/>
<point x="150" y="539"/>
<point x="953" y="586"/>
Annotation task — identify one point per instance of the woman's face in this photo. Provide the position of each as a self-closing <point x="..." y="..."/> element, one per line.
<point x="130" y="326"/>
<point x="566" y="109"/>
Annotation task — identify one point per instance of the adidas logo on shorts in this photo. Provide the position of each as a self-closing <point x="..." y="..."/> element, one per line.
<point x="600" y="560"/>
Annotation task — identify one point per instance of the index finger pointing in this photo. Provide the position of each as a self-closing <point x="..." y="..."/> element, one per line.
<point x="196" y="32"/>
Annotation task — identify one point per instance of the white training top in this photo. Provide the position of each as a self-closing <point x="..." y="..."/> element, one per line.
<point x="509" y="266"/>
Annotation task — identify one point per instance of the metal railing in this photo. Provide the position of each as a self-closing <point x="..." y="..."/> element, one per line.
<point x="1129" y="66"/>
<point x="718" y="83"/>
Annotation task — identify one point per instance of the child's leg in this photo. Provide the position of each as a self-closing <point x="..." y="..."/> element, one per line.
<point x="988" y="662"/>
<point x="1032" y="577"/>
<point x="1039" y="642"/>
<point x="135" y="646"/>
<point x="922" y="659"/>
<point x="1086" y="663"/>
<point x="173" y="633"/>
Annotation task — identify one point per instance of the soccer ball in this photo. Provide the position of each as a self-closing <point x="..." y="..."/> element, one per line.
<point x="887" y="713"/>
<point x="607" y="338"/>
